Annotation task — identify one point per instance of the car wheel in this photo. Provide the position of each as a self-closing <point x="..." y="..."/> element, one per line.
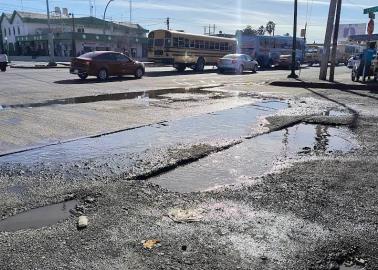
<point x="254" y="70"/>
<point x="180" y="67"/>
<point x="200" y="66"/>
<point x="240" y="69"/>
<point x="220" y="70"/>
<point x="83" y="76"/>
<point x="139" y="73"/>
<point x="103" y="74"/>
<point x="3" y="69"/>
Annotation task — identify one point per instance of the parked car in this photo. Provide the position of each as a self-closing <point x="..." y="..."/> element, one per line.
<point x="3" y="62"/>
<point x="104" y="64"/>
<point x="353" y="61"/>
<point x="237" y="63"/>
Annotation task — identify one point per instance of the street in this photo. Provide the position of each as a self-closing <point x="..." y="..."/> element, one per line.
<point x="188" y="171"/>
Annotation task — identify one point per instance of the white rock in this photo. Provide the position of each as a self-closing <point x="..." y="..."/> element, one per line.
<point x="82" y="222"/>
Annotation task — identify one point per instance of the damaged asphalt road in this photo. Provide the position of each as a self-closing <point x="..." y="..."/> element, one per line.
<point x="310" y="210"/>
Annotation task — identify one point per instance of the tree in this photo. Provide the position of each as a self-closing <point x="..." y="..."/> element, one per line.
<point x="270" y="27"/>
<point x="261" y="30"/>
<point x="249" y="31"/>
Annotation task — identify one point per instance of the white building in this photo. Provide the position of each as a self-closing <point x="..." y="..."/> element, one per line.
<point x="26" y="33"/>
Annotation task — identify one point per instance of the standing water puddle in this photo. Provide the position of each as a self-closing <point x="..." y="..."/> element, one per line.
<point x="227" y="124"/>
<point x="39" y="217"/>
<point x="255" y="157"/>
<point x="157" y="94"/>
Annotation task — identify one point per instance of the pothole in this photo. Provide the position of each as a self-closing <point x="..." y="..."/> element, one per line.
<point x="153" y="94"/>
<point x="38" y="217"/>
<point x="228" y="124"/>
<point x="256" y="156"/>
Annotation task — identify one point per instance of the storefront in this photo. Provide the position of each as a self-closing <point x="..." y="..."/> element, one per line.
<point x="65" y="43"/>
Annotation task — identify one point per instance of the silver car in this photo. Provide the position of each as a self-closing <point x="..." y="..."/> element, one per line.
<point x="237" y="63"/>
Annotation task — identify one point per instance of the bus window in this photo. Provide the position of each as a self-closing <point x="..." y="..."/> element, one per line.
<point x="181" y="42"/>
<point x="216" y="46"/>
<point x="206" y="45"/>
<point x="202" y="44"/>
<point x="175" y="42"/>
<point x="222" y="46"/>
<point x="151" y="35"/>
<point x="192" y="44"/>
<point x="197" y="44"/>
<point x="159" y="42"/>
<point x="211" y="45"/>
<point x="186" y="43"/>
<point x="168" y="42"/>
<point x="168" y="35"/>
<point x="226" y="46"/>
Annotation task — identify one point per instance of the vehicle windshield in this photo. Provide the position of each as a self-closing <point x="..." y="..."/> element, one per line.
<point x="88" y="55"/>
<point x="231" y="56"/>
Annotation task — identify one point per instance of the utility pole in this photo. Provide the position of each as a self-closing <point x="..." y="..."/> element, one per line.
<point x="204" y="30"/>
<point x="50" y="37"/>
<point x="167" y="22"/>
<point x="209" y="30"/>
<point x="327" y="41"/>
<point x="294" y="50"/>
<point x="131" y="8"/>
<point x="214" y="29"/>
<point x="73" y="35"/>
<point x="334" y="45"/>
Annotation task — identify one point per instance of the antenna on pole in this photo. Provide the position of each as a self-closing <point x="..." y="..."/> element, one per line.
<point x="91" y="8"/>
<point x="167" y="22"/>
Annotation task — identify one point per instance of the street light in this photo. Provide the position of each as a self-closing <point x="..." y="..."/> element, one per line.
<point x="73" y="35"/>
<point x="50" y="37"/>
<point x="105" y="13"/>
<point x="294" y="52"/>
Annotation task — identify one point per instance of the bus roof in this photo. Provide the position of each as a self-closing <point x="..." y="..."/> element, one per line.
<point x="192" y="34"/>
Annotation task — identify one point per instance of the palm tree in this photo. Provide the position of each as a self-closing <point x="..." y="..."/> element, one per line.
<point x="261" y="30"/>
<point x="270" y="27"/>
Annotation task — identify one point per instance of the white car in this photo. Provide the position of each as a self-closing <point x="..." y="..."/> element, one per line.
<point x="237" y="63"/>
<point x="3" y="62"/>
<point x="353" y="61"/>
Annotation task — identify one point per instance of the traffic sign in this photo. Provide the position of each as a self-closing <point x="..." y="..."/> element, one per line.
<point x="371" y="10"/>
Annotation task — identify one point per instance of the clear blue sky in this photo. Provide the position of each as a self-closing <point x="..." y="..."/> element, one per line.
<point x="192" y="15"/>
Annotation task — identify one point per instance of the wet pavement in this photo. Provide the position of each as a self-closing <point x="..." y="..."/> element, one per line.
<point x="153" y="94"/>
<point x="257" y="156"/>
<point x="227" y="124"/>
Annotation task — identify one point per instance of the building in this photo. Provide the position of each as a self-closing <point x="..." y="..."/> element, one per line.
<point x="26" y="34"/>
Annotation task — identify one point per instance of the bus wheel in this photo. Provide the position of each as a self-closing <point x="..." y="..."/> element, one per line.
<point x="180" y="67"/>
<point x="200" y="66"/>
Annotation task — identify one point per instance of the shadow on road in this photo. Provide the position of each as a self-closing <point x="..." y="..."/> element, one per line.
<point x="177" y="73"/>
<point x="94" y="80"/>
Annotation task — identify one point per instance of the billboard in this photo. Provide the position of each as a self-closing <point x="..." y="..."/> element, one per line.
<point x="347" y="30"/>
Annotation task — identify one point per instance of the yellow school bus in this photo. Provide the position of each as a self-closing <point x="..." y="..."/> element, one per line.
<point x="184" y="50"/>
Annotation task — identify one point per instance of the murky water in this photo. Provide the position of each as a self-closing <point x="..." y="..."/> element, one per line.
<point x="227" y="124"/>
<point x="255" y="157"/>
<point x="156" y="94"/>
<point x="39" y="217"/>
